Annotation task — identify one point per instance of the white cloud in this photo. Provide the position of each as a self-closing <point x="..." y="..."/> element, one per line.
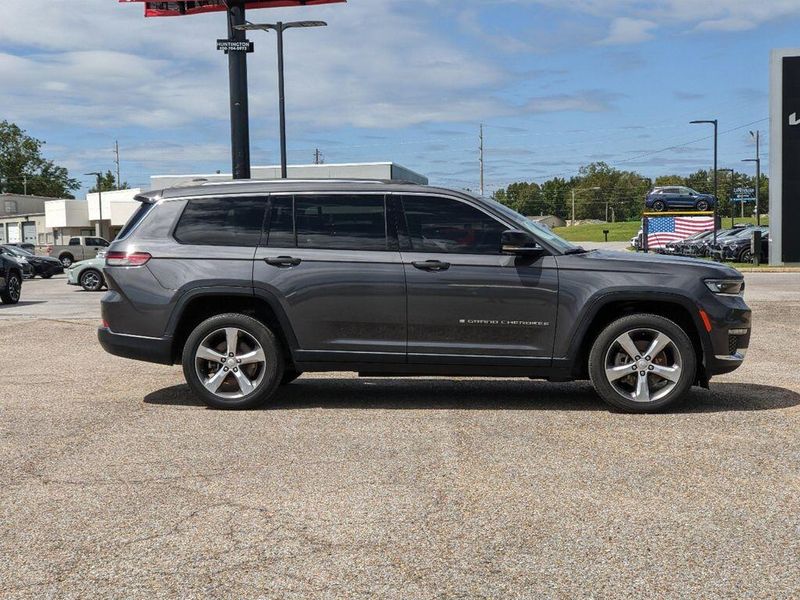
<point x="625" y="30"/>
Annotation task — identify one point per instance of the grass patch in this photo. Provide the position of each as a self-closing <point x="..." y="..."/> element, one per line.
<point x="624" y="231"/>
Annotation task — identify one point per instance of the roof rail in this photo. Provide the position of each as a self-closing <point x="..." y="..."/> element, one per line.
<point x="279" y="181"/>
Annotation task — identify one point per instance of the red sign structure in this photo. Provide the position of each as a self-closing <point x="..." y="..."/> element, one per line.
<point x="177" y="9"/>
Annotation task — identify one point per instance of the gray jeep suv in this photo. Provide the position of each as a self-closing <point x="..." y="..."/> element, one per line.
<point x="249" y="284"/>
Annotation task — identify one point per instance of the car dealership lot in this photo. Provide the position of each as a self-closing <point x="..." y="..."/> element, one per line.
<point x="115" y="481"/>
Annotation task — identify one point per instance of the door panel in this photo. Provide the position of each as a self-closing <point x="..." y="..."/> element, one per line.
<point x="344" y="303"/>
<point x="490" y="306"/>
<point x="467" y="302"/>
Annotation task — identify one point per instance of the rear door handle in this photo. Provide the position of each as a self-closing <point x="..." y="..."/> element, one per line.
<point x="431" y="265"/>
<point x="282" y="261"/>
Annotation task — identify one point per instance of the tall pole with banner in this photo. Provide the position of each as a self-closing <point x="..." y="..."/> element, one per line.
<point x="236" y="47"/>
<point x="237" y="78"/>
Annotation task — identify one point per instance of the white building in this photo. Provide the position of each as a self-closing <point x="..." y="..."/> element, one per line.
<point x="377" y="170"/>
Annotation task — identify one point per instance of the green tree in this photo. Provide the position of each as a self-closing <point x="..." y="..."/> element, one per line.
<point x="554" y="195"/>
<point x="24" y="169"/>
<point x="108" y="183"/>
<point x="522" y="197"/>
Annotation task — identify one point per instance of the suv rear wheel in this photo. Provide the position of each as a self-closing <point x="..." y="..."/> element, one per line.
<point x="642" y="363"/>
<point x="659" y="206"/>
<point x="233" y="361"/>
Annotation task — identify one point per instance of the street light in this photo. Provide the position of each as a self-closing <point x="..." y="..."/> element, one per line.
<point x="732" y="176"/>
<point x="573" y="200"/>
<point x="98" y="231"/>
<point x="279" y="28"/>
<point x="715" y="124"/>
<point x="756" y="135"/>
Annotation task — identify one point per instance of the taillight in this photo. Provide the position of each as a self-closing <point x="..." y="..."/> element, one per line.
<point x="127" y="259"/>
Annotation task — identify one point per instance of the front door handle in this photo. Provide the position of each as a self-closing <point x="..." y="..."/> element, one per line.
<point x="431" y="265"/>
<point x="282" y="261"/>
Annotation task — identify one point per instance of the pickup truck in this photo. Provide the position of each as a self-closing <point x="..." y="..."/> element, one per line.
<point x="79" y="248"/>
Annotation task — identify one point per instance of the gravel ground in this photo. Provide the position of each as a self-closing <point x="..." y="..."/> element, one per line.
<point x="115" y="482"/>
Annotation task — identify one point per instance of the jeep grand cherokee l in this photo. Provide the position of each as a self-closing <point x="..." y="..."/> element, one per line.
<point x="249" y="284"/>
<point x="678" y="197"/>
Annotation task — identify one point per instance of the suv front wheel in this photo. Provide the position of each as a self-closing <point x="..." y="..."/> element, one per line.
<point x="233" y="361"/>
<point x="641" y="363"/>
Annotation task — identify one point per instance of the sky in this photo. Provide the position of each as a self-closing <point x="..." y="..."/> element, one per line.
<point x="556" y="84"/>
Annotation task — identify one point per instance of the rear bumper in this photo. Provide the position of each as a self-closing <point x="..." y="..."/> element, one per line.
<point x="155" y="350"/>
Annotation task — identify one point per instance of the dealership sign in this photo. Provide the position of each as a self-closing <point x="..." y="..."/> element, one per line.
<point x="743" y="194"/>
<point x="177" y="9"/>
<point x="235" y="46"/>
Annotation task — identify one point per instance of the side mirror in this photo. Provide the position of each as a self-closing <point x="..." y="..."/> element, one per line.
<point x="518" y="242"/>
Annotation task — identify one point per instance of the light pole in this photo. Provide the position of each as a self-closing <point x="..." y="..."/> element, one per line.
<point x="573" y="200"/>
<point x="757" y="137"/>
<point x="279" y="28"/>
<point x="715" y="123"/>
<point x="730" y="198"/>
<point x="98" y="229"/>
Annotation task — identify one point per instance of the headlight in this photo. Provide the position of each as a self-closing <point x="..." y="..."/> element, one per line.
<point x="726" y="287"/>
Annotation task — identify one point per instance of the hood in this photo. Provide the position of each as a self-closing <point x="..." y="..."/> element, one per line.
<point x="639" y="262"/>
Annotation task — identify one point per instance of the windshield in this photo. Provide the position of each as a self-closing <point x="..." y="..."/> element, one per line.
<point x="540" y="231"/>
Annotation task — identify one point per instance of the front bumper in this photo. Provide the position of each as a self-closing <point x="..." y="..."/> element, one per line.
<point x="729" y="338"/>
<point x="155" y="350"/>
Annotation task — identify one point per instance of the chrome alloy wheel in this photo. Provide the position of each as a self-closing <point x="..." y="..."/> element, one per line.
<point x="14" y="288"/>
<point x="643" y="365"/>
<point x="230" y="363"/>
<point x="91" y="280"/>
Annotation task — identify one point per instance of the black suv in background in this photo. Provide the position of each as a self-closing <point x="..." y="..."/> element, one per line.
<point x="10" y="279"/>
<point x="249" y="284"/>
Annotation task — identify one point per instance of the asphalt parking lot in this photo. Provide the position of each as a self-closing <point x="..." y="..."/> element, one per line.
<point x="116" y="482"/>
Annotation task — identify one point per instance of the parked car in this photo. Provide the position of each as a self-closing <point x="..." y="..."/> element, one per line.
<point x="680" y="247"/>
<point x="678" y="197"/>
<point x="79" y="248"/>
<point x="708" y="243"/>
<point x="250" y="284"/>
<point x="636" y="241"/>
<point x="10" y="279"/>
<point x="24" y="245"/>
<point x="88" y="273"/>
<point x="14" y="253"/>
<point x="43" y="266"/>
<point x="738" y="247"/>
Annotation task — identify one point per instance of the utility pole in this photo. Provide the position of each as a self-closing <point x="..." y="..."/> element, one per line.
<point x="481" y="158"/>
<point x="757" y="136"/>
<point x="116" y="152"/>
<point x="24" y="185"/>
<point x="318" y="159"/>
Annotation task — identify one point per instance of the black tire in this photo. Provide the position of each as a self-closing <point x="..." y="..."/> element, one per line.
<point x="659" y="206"/>
<point x="702" y="205"/>
<point x="47" y="275"/>
<point x="66" y="260"/>
<point x="92" y="280"/>
<point x="606" y="353"/>
<point x="745" y="256"/>
<point x="13" y="289"/>
<point x="289" y="375"/>
<point x="266" y="376"/>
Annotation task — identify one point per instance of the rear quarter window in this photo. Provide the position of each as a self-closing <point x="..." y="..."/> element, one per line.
<point x="221" y="222"/>
<point x="136" y="218"/>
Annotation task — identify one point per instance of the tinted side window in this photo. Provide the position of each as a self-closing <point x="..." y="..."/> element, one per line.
<point x="74" y="242"/>
<point x="341" y="222"/>
<point x="281" y="222"/>
<point x="221" y="222"/>
<point x="445" y="225"/>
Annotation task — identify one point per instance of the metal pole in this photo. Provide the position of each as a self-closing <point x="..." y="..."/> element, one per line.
<point x="237" y="75"/>
<point x="282" y="95"/>
<point x="715" y="181"/>
<point x="733" y="208"/>
<point x="481" y="161"/>
<point x="758" y="178"/>
<point x="116" y="151"/>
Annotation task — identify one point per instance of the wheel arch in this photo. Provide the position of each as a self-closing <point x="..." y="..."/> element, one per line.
<point x="607" y="309"/>
<point x="199" y="305"/>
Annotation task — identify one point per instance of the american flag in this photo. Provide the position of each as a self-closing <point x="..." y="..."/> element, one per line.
<point x="662" y="230"/>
